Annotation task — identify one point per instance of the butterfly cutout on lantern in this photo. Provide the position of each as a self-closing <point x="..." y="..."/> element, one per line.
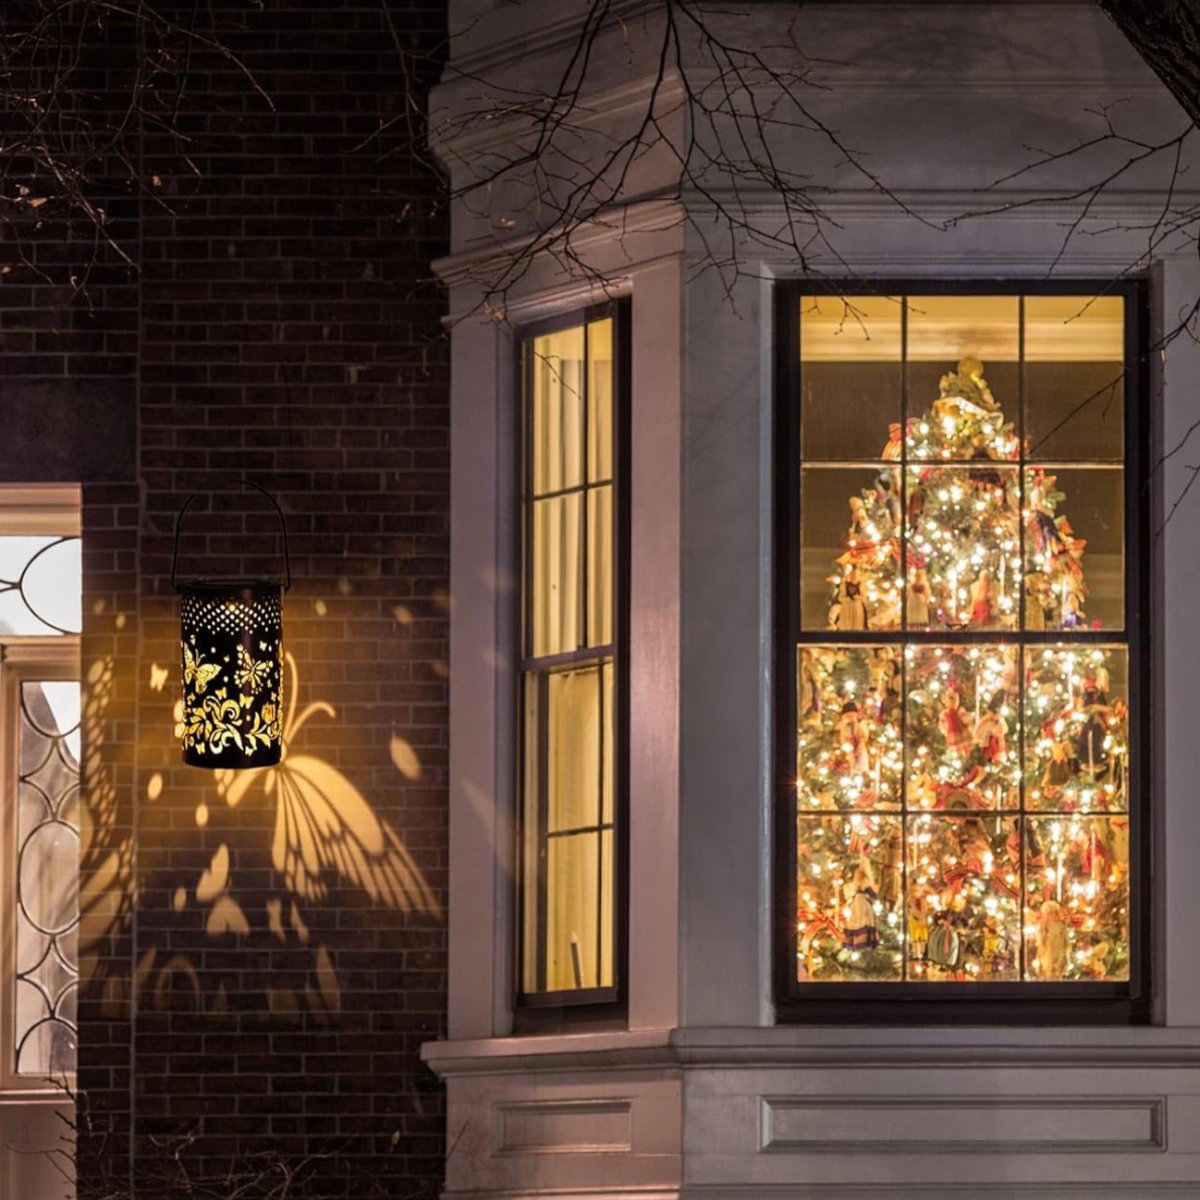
<point x="325" y="827"/>
<point x="197" y="672"/>
<point x="250" y="675"/>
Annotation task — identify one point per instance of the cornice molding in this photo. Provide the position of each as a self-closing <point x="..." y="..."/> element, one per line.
<point x="589" y="111"/>
<point x="960" y="205"/>
<point x="552" y="35"/>
<point x="475" y="264"/>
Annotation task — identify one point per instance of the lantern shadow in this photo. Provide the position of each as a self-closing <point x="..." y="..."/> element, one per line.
<point x="324" y="827"/>
<point x="320" y="838"/>
<point x="106" y="852"/>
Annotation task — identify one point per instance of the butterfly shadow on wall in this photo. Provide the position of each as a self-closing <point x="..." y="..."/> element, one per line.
<point x="324" y="827"/>
<point x="326" y="835"/>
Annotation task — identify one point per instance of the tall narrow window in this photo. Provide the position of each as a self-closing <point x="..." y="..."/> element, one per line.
<point x="962" y="666"/>
<point x="40" y="757"/>
<point x="571" y="669"/>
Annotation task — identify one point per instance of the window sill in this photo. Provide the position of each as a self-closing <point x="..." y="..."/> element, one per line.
<point x="481" y="1056"/>
<point x="820" y="1045"/>
<point x="51" y="1097"/>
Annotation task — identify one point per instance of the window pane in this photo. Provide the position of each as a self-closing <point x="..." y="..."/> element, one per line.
<point x="568" y="863"/>
<point x="40" y="585"/>
<point x="580" y="910"/>
<point x="557" y="582"/>
<point x="963" y="898"/>
<point x="1077" y="898"/>
<point x="962" y="727"/>
<point x="1074" y="548"/>
<point x="573" y="749"/>
<point x="850" y="375"/>
<point x="849" y="897"/>
<point x="953" y="343"/>
<point x="600" y="565"/>
<point x="848" y="751"/>
<point x="1076" y="728"/>
<point x="47" y="858"/>
<point x="850" y="548"/>
<point x="964" y="540"/>
<point x="556" y="374"/>
<point x="1075" y="377"/>
<point x="600" y="400"/>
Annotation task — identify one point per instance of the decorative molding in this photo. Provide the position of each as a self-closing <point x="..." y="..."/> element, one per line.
<point x="563" y="1127"/>
<point x="633" y="1192"/>
<point x="950" y="208"/>
<point x="927" y="85"/>
<point x="948" y="213"/>
<point x="552" y="35"/>
<point x="784" y="1047"/>
<point x="518" y="1055"/>
<point x="974" y="1124"/>
<point x="653" y="215"/>
<point x="51" y="510"/>
<point x="475" y="137"/>
<point x="1087" y="1190"/>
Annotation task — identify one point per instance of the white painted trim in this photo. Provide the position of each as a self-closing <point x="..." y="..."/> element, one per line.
<point x="21" y="659"/>
<point x="789" y="1046"/>
<point x="596" y="109"/>
<point x="468" y="270"/>
<point x="43" y="509"/>
<point x="1087" y="1190"/>
<point x="603" y="1193"/>
<point x="552" y="35"/>
<point x="472" y="266"/>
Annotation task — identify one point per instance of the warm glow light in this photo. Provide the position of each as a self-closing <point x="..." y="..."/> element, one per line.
<point x="961" y="809"/>
<point x="231" y="651"/>
<point x="232" y="681"/>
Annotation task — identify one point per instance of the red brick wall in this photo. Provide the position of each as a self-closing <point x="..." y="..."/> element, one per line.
<point x="243" y="1015"/>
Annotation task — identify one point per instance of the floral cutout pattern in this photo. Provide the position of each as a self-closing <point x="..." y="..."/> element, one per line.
<point x="242" y="713"/>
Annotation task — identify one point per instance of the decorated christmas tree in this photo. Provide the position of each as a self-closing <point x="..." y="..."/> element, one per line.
<point x="961" y="806"/>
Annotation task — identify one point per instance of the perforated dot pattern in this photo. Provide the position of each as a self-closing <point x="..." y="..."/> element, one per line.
<point x="231" y="615"/>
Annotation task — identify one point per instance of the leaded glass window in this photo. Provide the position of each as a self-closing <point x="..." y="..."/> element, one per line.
<point x="40" y="755"/>
<point x="962" y="666"/>
<point x="47" y="870"/>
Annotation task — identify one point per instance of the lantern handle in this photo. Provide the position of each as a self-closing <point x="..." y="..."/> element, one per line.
<point x="287" y="558"/>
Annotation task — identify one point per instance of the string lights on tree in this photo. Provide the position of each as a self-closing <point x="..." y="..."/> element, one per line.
<point x="962" y="807"/>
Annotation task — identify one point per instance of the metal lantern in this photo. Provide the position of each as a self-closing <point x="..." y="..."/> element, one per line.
<point x="232" y="655"/>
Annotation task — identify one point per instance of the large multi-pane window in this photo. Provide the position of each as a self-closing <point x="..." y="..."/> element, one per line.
<point x="571" y="774"/>
<point x="40" y="755"/>
<point x="960" y="671"/>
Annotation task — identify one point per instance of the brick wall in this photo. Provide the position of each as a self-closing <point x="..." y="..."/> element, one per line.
<point x="256" y="994"/>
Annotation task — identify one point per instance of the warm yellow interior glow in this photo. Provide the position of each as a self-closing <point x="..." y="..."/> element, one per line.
<point x="568" y="750"/>
<point x="866" y="328"/>
<point x="963" y="806"/>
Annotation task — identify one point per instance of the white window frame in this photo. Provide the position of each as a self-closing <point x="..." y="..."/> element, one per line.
<point x="27" y="511"/>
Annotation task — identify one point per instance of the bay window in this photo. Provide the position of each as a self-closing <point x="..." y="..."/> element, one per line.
<point x="961" y="669"/>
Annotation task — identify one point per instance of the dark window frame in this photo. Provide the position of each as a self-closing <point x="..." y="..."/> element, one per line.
<point x="1020" y="1002"/>
<point x="605" y="1006"/>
